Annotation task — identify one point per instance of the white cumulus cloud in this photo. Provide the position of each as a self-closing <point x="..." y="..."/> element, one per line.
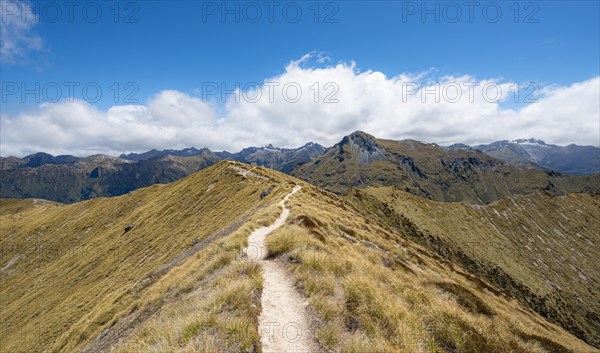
<point x="315" y="103"/>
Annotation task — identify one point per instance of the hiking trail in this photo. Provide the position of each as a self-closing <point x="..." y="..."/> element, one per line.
<point x="283" y="323"/>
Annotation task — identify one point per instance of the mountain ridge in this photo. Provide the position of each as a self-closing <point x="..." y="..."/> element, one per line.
<point x="431" y="171"/>
<point x="177" y="280"/>
<point x="69" y="179"/>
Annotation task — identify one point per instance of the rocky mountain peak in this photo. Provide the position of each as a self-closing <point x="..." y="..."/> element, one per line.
<point x="362" y="140"/>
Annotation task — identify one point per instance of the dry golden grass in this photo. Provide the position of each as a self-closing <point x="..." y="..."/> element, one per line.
<point x="217" y="312"/>
<point x="13" y="206"/>
<point x="69" y="273"/>
<point x="541" y="247"/>
<point x="372" y="290"/>
<point x="95" y="288"/>
<point x="219" y="308"/>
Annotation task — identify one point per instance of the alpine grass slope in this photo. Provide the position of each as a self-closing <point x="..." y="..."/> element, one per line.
<point x="74" y="280"/>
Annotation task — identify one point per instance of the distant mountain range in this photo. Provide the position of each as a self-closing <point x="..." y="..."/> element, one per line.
<point x="71" y="179"/>
<point x="186" y="152"/>
<point x="571" y="159"/>
<point x="281" y="159"/>
<point x="459" y="172"/>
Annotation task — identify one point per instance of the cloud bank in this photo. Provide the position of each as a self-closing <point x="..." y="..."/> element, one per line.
<point x="320" y="104"/>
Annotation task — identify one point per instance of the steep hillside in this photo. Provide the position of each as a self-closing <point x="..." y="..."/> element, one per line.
<point x="69" y="272"/>
<point x="10" y="206"/>
<point x="540" y="248"/>
<point x="372" y="289"/>
<point x="77" y="278"/>
<point x="79" y="179"/>
<point x="431" y="171"/>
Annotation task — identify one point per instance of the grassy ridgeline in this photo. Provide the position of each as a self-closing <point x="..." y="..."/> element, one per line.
<point x="69" y="272"/>
<point x="372" y="289"/>
<point x="177" y="282"/>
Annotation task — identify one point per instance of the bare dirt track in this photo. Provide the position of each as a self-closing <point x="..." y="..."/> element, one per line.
<point x="283" y="324"/>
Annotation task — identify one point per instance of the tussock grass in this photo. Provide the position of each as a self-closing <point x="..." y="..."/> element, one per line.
<point x="267" y="215"/>
<point x="177" y="283"/>
<point x="218" y="315"/>
<point x="71" y="277"/>
<point x="281" y="243"/>
<point x="372" y="290"/>
<point x="540" y="248"/>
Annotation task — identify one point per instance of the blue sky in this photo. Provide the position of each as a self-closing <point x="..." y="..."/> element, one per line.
<point x="179" y="45"/>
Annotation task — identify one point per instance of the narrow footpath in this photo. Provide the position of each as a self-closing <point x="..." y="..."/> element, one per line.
<point x="283" y="324"/>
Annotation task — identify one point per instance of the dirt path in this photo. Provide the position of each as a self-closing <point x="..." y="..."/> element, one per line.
<point x="283" y="324"/>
